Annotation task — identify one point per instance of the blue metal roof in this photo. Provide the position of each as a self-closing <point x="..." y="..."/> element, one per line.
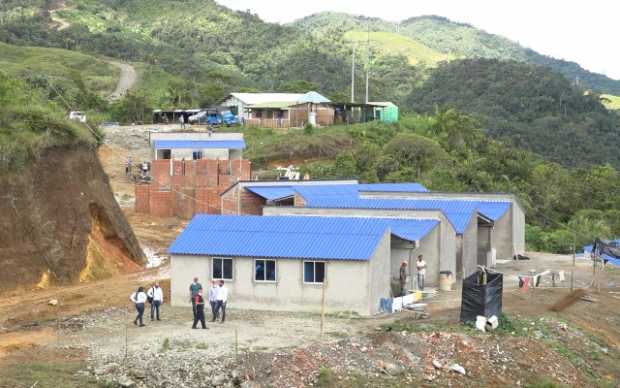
<point x="458" y="211"/>
<point x="393" y="187"/>
<point x="271" y="193"/>
<point x="312" y="237"/>
<point x="494" y="210"/>
<point x="410" y="229"/>
<point x="199" y="144"/>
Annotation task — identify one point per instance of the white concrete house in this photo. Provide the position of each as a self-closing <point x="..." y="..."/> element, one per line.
<point x="288" y="262"/>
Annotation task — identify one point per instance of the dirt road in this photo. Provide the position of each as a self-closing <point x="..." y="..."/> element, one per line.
<point x="127" y="80"/>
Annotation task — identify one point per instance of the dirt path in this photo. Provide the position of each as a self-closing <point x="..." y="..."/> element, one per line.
<point x="128" y="79"/>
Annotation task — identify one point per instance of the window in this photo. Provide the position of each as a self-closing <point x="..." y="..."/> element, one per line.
<point x="222" y="269"/>
<point x="314" y="271"/>
<point x="165" y="154"/>
<point x="265" y="270"/>
<point x="196" y="155"/>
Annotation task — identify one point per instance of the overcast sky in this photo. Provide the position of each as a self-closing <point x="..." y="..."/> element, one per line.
<point x="582" y="31"/>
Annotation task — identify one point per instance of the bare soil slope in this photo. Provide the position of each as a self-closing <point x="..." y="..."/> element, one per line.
<point x="61" y="224"/>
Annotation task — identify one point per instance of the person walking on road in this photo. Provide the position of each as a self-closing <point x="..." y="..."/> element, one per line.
<point x="156" y="298"/>
<point x="139" y="299"/>
<point x="200" y="311"/>
<point x="222" y="298"/>
<point x="182" y="121"/>
<point x="194" y="288"/>
<point x="213" y="299"/>
<point x="402" y="278"/>
<point x="421" y="267"/>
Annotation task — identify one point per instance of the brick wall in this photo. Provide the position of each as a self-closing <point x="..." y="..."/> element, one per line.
<point x="161" y="203"/>
<point x="160" y="172"/>
<point x="142" y="198"/>
<point x="194" y="187"/>
<point x="299" y="201"/>
<point x="229" y="201"/>
<point x="251" y="203"/>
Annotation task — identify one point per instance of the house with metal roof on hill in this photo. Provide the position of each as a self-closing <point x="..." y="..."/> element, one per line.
<point x="290" y="262"/>
<point x="486" y="226"/>
<point x="281" y="110"/>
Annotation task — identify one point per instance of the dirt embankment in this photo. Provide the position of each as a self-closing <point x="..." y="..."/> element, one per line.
<point x="60" y="223"/>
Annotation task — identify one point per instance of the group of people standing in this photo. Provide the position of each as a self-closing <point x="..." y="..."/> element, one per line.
<point x="154" y="296"/>
<point x="421" y="275"/>
<point x="218" y="296"/>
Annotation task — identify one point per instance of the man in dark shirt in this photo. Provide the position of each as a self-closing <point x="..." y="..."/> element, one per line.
<point x="403" y="278"/>
<point x="194" y="289"/>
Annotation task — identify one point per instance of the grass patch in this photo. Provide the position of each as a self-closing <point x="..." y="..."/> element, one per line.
<point x="327" y="378"/>
<point x="165" y="346"/>
<point x="46" y="375"/>
<point x="389" y="43"/>
<point x="610" y="101"/>
<point x="58" y="65"/>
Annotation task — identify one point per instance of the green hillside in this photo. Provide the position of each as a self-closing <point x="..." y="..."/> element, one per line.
<point x="531" y="106"/>
<point x="30" y="122"/>
<point x="59" y="66"/>
<point x="389" y="43"/>
<point x="458" y="40"/>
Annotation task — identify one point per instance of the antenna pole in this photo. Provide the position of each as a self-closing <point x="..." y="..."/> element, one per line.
<point x="353" y="75"/>
<point x="367" y="61"/>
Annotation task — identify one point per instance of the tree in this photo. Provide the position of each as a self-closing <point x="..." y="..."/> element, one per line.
<point x="414" y="151"/>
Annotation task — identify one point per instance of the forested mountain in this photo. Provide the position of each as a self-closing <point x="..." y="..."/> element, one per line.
<point x="458" y="40"/>
<point x="531" y="106"/>
<point x="193" y="52"/>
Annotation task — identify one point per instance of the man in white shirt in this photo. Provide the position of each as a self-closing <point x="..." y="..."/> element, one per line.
<point x="222" y="297"/>
<point x="213" y="299"/>
<point x="421" y="267"/>
<point x="156" y="298"/>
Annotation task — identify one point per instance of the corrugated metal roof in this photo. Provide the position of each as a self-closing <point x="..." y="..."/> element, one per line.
<point x="199" y="144"/>
<point x="494" y="210"/>
<point x="259" y="98"/>
<point x="459" y="213"/>
<point x="393" y="187"/>
<point x="271" y="193"/>
<point x="313" y="97"/>
<point x="312" y="237"/>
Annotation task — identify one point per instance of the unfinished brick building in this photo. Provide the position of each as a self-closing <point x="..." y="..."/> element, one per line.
<point x="185" y="187"/>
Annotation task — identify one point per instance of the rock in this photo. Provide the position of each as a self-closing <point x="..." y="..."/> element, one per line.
<point x="218" y="380"/>
<point x="138" y="374"/>
<point x="457" y="368"/>
<point x="126" y="382"/>
<point x="53" y="302"/>
<point x="437" y="364"/>
<point x="106" y="369"/>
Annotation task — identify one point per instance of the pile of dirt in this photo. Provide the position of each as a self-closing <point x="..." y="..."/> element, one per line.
<point x="60" y="222"/>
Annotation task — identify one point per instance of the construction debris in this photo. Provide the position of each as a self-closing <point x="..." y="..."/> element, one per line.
<point x="457" y="368"/>
<point x="568" y="300"/>
<point x="588" y="298"/>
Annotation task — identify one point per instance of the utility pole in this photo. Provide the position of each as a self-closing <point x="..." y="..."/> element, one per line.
<point x="353" y="75"/>
<point x="367" y="61"/>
